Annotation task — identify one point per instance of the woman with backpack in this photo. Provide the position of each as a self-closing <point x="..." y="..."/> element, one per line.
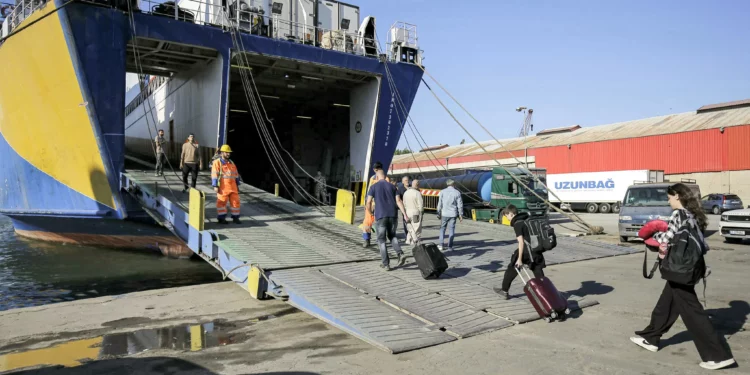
<point x="682" y="241"/>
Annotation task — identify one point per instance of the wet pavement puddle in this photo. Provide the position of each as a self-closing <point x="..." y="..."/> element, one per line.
<point x="186" y="337"/>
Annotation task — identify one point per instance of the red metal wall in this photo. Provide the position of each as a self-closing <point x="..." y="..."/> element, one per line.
<point x="689" y="152"/>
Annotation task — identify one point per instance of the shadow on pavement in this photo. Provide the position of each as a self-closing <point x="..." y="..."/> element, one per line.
<point x="591" y="288"/>
<point x="151" y="365"/>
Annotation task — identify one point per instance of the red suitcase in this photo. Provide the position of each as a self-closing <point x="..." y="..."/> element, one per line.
<point x="545" y="298"/>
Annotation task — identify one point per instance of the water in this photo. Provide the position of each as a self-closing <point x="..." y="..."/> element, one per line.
<point x="181" y="338"/>
<point x="36" y="273"/>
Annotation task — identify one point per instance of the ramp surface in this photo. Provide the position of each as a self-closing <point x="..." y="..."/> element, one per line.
<point x="327" y="273"/>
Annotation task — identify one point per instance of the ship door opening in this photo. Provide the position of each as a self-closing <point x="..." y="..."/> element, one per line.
<point x="309" y="110"/>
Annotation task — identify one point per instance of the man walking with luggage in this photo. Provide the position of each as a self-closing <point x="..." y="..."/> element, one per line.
<point x="190" y="161"/>
<point x="522" y="255"/>
<point x="450" y="207"/>
<point x="412" y="199"/>
<point x="159" y="141"/>
<point x="385" y="217"/>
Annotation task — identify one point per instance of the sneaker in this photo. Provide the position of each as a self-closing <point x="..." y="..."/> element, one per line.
<point x="401" y="260"/>
<point x="184" y="191"/>
<point x="440" y="247"/>
<point x="640" y="341"/>
<point x="236" y="220"/>
<point x="223" y="221"/>
<point x="366" y="244"/>
<point x="711" y="365"/>
<point x="503" y="294"/>
<point x="385" y="267"/>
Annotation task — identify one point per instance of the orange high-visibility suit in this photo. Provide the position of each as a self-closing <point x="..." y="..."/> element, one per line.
<point x="224" y="175"/>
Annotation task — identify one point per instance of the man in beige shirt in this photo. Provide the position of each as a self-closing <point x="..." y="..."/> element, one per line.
<point x="415" y="210"/>
<point x="190" y="161"/>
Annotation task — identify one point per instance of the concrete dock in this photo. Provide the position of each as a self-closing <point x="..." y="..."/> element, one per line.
<point x="267" y="337"/>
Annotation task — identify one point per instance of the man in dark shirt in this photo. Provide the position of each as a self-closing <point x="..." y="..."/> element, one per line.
<point x="387" y="198"/>
<point x="522" y="255"/>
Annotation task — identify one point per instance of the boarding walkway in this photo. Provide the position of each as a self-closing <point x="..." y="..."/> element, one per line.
<point x="318" y="265"/>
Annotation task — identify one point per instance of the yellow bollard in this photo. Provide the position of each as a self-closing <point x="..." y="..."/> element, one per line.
<point x="345" y="206"/>
<point x="276" y="190"/>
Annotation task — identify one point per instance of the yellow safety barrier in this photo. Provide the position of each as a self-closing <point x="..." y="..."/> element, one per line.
<point x="345" y="206"/>
<point x="474" y="215"/>
<point x="363" y="194"/>
<point x="256" y="283"/>
<point x="197" y="209"/>
<point x="276" y="190"/>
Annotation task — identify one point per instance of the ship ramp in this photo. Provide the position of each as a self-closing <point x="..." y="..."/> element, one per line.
<point x="316" y="263"/>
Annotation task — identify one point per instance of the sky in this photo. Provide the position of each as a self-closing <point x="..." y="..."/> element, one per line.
<point x="574" y="62"/>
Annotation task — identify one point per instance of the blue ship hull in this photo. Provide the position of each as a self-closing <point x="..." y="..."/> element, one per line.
<point x="62" y="134"/>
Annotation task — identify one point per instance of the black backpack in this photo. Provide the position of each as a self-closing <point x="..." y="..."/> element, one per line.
<point x="684" y="262"/>
<point x="541" y="235"/>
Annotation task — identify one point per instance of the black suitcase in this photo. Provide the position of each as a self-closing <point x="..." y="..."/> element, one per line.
<point x="430" y="260"/>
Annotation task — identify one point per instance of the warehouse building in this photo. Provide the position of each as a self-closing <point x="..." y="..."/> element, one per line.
<point x="710" y="145"/>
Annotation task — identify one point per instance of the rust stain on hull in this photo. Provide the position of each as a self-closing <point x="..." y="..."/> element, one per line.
<point x="167" y="245"/>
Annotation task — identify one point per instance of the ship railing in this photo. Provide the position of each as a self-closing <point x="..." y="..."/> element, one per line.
<point x="254" y="21"/>
<point x="18" y="14"/>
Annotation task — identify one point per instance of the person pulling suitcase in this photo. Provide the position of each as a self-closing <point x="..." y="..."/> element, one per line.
<point x="521" y="256"/>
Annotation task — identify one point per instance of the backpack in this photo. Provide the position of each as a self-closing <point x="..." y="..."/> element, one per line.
<point x="684" y="262"/>
<point x="541" y="235"/>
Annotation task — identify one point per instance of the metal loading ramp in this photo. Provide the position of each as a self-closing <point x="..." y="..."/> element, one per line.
<point x="324" y="270"/>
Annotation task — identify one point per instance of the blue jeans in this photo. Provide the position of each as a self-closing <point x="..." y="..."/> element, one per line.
<point x="449" y="222"/>
<point x="386" y="227"/>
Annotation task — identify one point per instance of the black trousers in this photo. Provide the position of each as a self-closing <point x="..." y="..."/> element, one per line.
<point x="188" y="168"/>
<point x="680" y="300"/>
<point x="511" y="273"/>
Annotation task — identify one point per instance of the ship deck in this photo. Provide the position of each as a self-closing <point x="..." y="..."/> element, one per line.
<point x="325" y="271"/>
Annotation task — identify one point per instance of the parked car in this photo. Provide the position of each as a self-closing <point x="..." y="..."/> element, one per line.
<point x="718" y="203"/>
<point x="645" y="202"/>
<point x="734" y="226"/>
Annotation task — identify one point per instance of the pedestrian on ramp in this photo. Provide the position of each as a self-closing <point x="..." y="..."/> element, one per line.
<point x="449" y="208"/>
<point x="385" y="214"/>
<point x="225" y="179"/>
<point x="522" y="255"/>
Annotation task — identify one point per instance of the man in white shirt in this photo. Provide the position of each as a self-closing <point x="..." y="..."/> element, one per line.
<point x="415" y="210"/>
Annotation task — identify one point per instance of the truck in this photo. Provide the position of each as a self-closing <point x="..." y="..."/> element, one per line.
<point x="594" y="192"/>
<point x="486" y="193"/>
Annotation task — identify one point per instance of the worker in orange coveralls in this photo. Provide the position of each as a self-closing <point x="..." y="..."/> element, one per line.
<point x="369" y="220"/>
<point x="225" y="179"/>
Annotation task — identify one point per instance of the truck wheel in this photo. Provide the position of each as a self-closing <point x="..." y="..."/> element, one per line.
<point x="492" y="221"/>
<point x="604" y="208"/>
<point x="623" y="238"/>
<point x="616" y="208"/>
<point x="592" y="208"/>
<point x="716" y="210"/>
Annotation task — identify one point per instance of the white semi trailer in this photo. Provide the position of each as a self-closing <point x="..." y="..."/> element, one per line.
<point x="596" y="191"/>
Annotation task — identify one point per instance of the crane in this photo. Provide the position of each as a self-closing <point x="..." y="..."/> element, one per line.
<point x="527" y="126"/>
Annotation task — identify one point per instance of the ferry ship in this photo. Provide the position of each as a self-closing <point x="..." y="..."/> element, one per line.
<point x="87" y="84"/>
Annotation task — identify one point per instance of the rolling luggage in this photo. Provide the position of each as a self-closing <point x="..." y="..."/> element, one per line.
<point x="543" y="295"/>
<point x="429" y="259"/>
